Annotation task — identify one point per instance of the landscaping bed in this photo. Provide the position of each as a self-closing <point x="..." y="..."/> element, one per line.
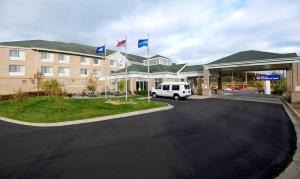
<point x="42" y="110"/>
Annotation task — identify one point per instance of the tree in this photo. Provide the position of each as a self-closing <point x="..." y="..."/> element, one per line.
<point x="39" y="77"/>
<point x="20" y="97"/>
<point x="91" y="84"/>
<point x="49" y="87"/>
<point x="121" y="85"/>
<point x="59" y="95"/>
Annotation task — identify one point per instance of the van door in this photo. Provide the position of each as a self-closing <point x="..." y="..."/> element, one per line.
<point x="158" y="90"/>
<point x="175" y="89"/>
<point x="166" y="90"/>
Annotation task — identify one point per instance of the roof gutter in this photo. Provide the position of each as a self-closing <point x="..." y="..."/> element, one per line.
<point x="253" y="63"/>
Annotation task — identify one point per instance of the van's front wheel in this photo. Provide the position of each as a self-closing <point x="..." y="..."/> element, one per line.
<point x="176" y="97"/>
<point x="154" y="95"/>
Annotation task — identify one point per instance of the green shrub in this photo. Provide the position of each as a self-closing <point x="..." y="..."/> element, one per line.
<point x="279" y="86"/>
<point x="121" y="85"/>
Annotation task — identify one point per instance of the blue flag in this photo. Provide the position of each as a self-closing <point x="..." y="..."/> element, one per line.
<point x="100" y="49"/>
<point x="142" y="43"/>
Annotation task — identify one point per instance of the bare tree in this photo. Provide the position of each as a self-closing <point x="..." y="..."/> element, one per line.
<point x="20" y="97"/>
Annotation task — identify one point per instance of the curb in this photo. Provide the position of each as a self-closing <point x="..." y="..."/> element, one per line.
<point x="84" y="121"/>
<point x="293" y="169"/>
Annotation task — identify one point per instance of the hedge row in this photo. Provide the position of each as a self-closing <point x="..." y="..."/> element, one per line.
<point x="29" y="94"/>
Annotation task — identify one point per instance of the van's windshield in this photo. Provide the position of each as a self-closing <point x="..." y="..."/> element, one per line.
<point x="187" y="87"/>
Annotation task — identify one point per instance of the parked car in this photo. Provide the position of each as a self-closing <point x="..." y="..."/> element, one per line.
<point x="261" y="91"/>
<point x="175" y="90"/>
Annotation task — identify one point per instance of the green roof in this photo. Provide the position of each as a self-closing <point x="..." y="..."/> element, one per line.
<point x="193" y="68"/>
<point x="174" y="68"/>
<point x="69" y="47"/>
<point x="252" y="55"/>
<point x="54" y="45"/>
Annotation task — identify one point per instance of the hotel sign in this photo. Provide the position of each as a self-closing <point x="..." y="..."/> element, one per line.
<point x="268" y="77"/>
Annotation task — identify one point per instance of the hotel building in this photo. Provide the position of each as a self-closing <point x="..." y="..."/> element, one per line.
<point x="71" y="64"/>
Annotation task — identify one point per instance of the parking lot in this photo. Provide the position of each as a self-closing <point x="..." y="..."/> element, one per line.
<point x="208" y="138"/>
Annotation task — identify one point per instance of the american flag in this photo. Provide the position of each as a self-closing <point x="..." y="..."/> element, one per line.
<point x="121" y="43"/>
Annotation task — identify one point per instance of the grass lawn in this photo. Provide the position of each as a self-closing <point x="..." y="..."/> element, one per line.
<point x="41" y="110"/>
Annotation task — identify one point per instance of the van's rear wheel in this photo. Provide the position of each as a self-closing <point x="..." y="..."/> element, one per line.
<point x="176" y="97"/>
<point x="154" y="95"/>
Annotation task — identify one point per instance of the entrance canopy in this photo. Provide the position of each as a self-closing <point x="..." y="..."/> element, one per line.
<point x="253" y="61"/>
<point x="256" y="61"/>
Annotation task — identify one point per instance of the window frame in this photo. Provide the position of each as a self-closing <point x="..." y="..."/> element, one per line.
<point x="49" y="57"/>
<point x="16" y="73"/>
<point x="96" y="64"/>
<point x="65" y="60"/>
<point x="21" y="54"/>
<point x="50" y="73"/>
<point x="85" y="74"/>
<point x="66" y="73"/>
<point x="97" y="75"/>
<point x="113" y="63"/>
<point x="86" y="61"/>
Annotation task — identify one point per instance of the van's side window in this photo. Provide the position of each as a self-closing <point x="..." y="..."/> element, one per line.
<point x="166" y="87"/>
<point x="158" y="87"/>
<point x="175" y="87"/>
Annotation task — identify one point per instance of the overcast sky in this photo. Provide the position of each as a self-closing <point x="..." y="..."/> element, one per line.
<point x="193" y="32"/>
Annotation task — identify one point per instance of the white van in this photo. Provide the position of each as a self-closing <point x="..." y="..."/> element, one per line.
<point x="175" y="90"/>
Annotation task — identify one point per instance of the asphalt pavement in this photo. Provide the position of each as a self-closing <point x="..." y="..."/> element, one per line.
<point x="208" y="138"/>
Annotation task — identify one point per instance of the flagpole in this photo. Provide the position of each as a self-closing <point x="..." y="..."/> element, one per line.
<point x="126" y="67"/>
<point x="148" y="72"/>
<point x="103" y="68"/>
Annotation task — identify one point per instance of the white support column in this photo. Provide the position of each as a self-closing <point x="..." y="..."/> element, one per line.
<point x="246" y="78"/>
<point x="231" y="78"/>
<point x="267" y="87"/>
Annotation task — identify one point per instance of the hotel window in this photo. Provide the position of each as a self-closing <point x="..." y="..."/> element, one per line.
<point x="84" y="72"/>
<point x="96" y="62"/>
<point x="16" y="55"/>
<point x="47" y="71"/>
<point x="113" y="63"/>
<point x="63" y="71"/>
<point x="46" y="57"/>
<point x="63" y="58"/>
<point x="16" y="70"/>
<point x="96" y="73"/>
<point x="84" y="61"/>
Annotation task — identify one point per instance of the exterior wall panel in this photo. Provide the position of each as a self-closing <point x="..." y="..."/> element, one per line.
<point x="73" y="83"/>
